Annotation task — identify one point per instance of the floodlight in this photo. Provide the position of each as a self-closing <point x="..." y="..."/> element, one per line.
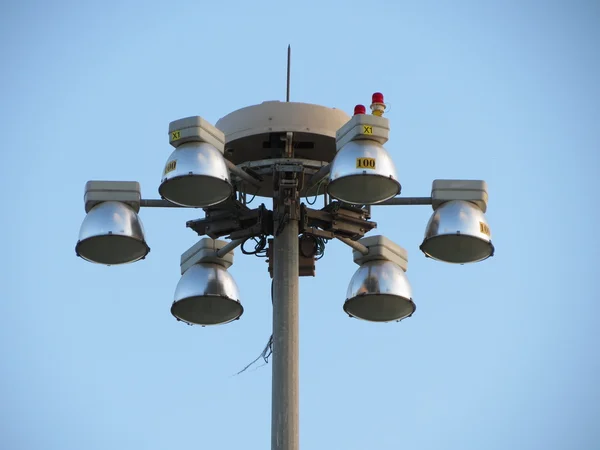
<point x="458" y="231"/>
<point x="195" y="174"/>
<point x="112" y="233"/>
<point x="379" y="291"/>
<point x="362" y="171"/>
<point x="206" y="293"/>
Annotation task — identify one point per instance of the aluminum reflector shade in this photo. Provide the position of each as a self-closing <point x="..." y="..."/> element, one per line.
<point x="458" y="232"/>
<point x="363" y="173"/>
<point x="195" y="175"/>
<point x="112" y="233"/>
<point x="207" y="295"/>
<point x="379" y="292"/>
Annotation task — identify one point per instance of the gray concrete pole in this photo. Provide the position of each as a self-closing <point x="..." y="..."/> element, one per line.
<point x="285" y="407"/>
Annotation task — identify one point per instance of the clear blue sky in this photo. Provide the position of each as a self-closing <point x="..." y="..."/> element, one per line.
<point x="501" y="354"/>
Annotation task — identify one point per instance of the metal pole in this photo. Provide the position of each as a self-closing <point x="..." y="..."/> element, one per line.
<point x="284" y="401"/>
<point x="289" y="63"/>
<point x="355" y="245"/>
<point x="151" y="203"/>
<point x="230" y="246"/>
<point x="285" y="406"/>
<point x="318" y="176"/>
<point x="406" y="201"/>
<point x="241" y="174"/>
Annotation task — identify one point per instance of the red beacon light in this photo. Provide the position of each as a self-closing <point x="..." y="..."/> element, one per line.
<point x="377" y="105"/>
<point x="360" y="109"/>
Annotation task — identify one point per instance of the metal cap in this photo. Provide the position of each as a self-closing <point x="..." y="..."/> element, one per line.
<point x="249" y="131"/>
<point x="128" y="192"/>
<point x="381" y="247"/>
<point x="195" y="129"/>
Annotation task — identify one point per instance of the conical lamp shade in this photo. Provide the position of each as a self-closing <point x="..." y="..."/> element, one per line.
<point x="458" y="232"/>
<point x="196" y="175"/>
<point x="112" y="233"/>
<point x="207" y="295"/>
<point x="379" y="292"/>
<point x="363" y="173"/>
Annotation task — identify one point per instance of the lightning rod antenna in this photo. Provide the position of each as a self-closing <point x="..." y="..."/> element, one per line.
<point x="289" y="62"/>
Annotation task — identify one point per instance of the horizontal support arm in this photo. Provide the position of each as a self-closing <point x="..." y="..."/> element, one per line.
<point x="318" y="176"/>
<point x="230" y="246"/>
<point x="355" y="245"/>
<point x="150" y="203"/>
<point x="244" y="176"/>
<point x="406" y="201"/>
<point x="397" y="201"/>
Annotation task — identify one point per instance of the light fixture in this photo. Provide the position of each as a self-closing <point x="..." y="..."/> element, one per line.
<point x="195" y="174"/>
<point x="362" y="171"/>
<point x="112" y="233"/>
<point x="458" y="231"/>
<point x="285" y="151"/>
<point x="379" y="291"/>
<point x="206" y="293"/>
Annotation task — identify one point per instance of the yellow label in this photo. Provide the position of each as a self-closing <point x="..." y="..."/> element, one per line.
<point x="175" y="135"/>
<point x="484" y="228"/>
<point x="367" y="129"/>
<point x="365" y="163"/>
<point x="171" y="166"/>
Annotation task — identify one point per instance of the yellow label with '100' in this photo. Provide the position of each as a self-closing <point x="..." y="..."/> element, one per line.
<point x="365" y="163"/>
<point x="171" y="166"/>
<point x="484" y="228"/>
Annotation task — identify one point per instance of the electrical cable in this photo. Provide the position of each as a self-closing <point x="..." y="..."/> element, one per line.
<point x="260" y="246"/>
<point x="321" y="242"/>
<point x="267" y="351"/>
<point x="316" y="195"/>
<point x="253" y="197"/>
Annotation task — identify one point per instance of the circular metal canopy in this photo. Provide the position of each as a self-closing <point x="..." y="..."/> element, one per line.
<point x="207" y="295"/>
<point x="363" y="173"/>
<point x="458" y="232"/>
<point x="379" y="292"/>
<point x="195" y="175"/>
<point x="112" y="233"/>
<point x="251" y="132"/>
<point x="255" y="138"/>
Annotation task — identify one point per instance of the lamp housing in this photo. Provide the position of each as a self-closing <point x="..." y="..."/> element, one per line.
<point x="206" y="293"/>
<point x="112" y="232"/>
<point x="379" y="290"/>
<point x="195" y="173"/>
<point x="458" y="231"/>
<point x="362" y="171"/>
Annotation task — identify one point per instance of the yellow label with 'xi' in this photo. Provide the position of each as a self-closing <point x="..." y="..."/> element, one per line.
<point x="175" y="135"/>
<point x="171" y="166"/>
<point x="366" y="163"/>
